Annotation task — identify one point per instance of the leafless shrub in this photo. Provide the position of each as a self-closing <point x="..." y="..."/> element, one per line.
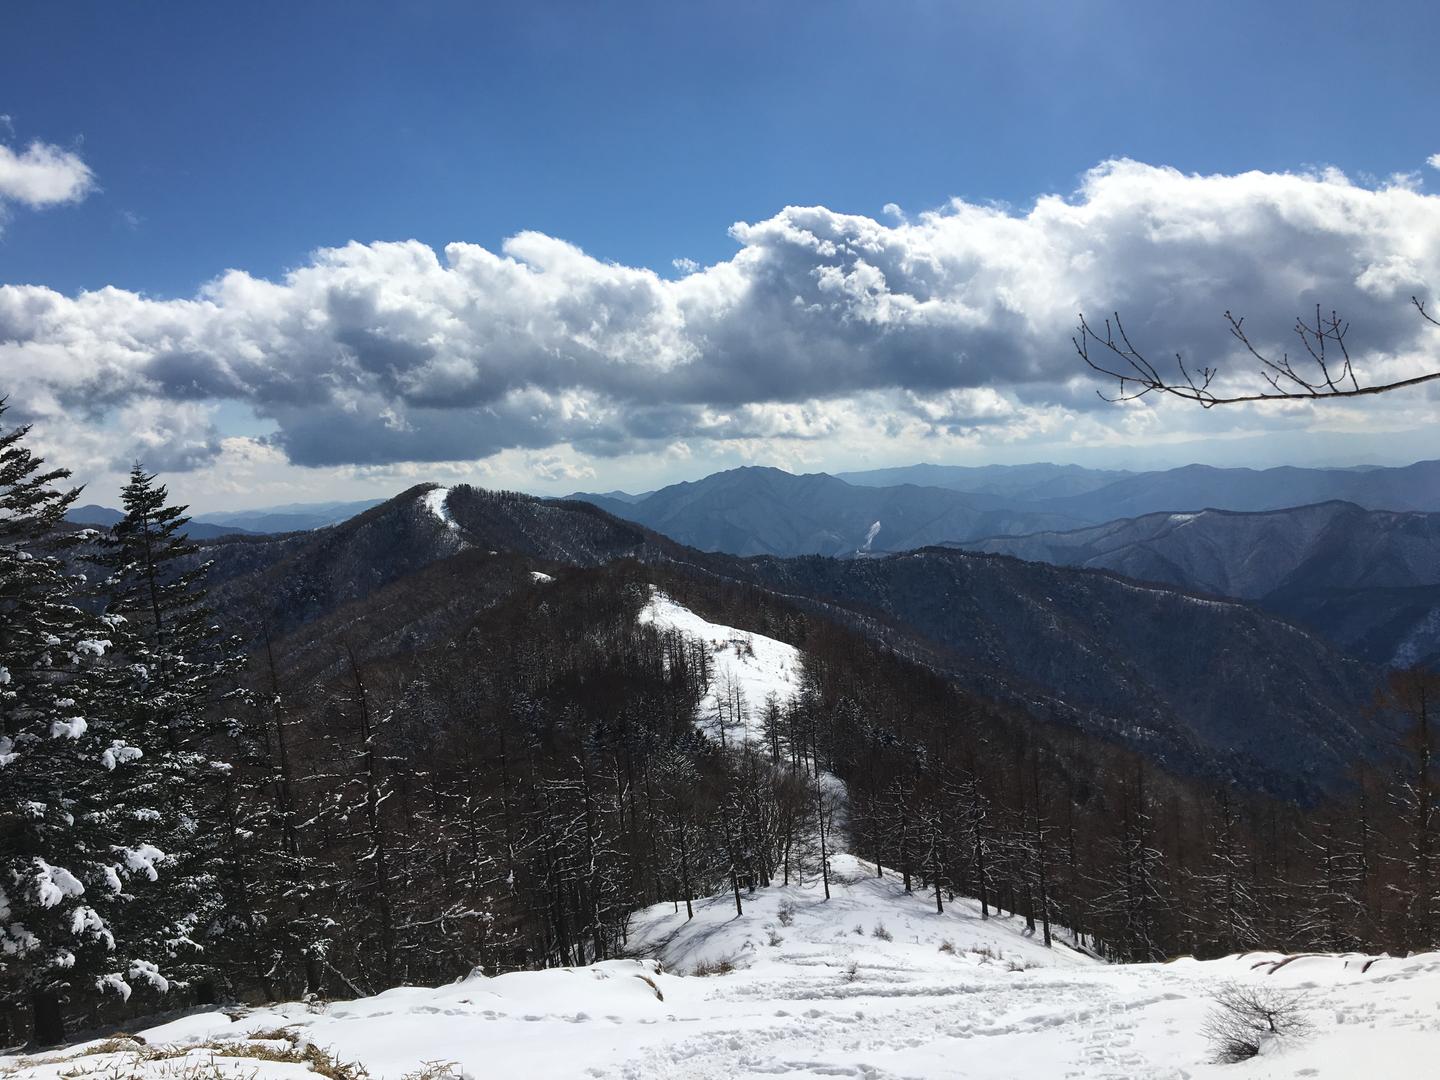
<point x="1247" y="1015"/>
<point x="786" y="914"/>
<point x="881" y="933"/>
<point x="704" y="969"/>
<point x="947" y="946"/>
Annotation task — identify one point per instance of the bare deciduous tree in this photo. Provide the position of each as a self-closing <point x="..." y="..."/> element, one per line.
<point x="1325" y="369"/>
<point x="1246" y="1015"/>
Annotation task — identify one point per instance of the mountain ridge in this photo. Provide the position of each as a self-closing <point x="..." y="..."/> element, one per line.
<point x="1118" y="660"/>
<point x="1364" y="578"/>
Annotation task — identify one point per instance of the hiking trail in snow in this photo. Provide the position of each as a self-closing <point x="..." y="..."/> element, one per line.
<point x="871" y="983"/>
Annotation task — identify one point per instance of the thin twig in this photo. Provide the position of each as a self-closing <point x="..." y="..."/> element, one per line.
<point x="1137" y="376"/>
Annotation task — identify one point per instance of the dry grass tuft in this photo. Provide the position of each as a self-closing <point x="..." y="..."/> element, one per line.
<point x="718" y="967"/>
<point x="132" y="1059"/>
<point x="435" y="1070"/>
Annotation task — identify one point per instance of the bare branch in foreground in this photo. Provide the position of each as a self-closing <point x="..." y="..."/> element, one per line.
<point x="1325" y="371"/>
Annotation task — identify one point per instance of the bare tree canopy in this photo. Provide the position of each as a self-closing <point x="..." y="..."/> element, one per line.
<point x="1325" y="370"/>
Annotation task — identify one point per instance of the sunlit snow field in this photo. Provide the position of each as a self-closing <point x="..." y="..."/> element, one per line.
<point x="757" y="666"/>
<point x="946" y="996"/>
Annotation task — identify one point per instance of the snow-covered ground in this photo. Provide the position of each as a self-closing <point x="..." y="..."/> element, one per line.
<point x="872" y="983"/>
<point x="434" y="501"/>
<point x="759" y="666"/>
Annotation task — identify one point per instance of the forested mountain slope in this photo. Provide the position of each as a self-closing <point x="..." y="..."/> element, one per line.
<point x="289" y="580"/>
<point x="1204" y="686"/>
<point x="468" y="729"/>
<point x="1366" y="579"/>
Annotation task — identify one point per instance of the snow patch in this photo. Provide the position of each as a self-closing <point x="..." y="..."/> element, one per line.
<point x="92" y="647"/>
<point x="120" y="753"/>
<point x="52" y="884"/>
<point x="753" y="665"/>
<point x="1421" y="638"/>
<point x="540" y="578"/>
<point x="69" y="729"/>
<point x="434" y="501"/>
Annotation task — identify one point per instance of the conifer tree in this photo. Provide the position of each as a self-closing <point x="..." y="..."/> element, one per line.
<point x="172" y="671"/>
<point x="73" y="862"/>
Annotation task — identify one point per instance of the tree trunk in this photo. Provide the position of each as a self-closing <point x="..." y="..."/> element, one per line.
<point x="685" y="873"/>
<point x="47" y="1018"/>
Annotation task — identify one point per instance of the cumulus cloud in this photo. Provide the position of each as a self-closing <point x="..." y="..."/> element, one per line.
<point x="42" y="175"/>
<point x="166" y="436"/>
<point x="822" y="324"/>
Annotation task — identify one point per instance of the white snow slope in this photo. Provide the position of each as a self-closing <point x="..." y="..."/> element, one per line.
<point x="434" y="501"/>
<point x="759" y="666"/>
<point x="814" y="998"/>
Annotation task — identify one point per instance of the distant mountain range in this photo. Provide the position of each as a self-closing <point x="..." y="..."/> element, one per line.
<point x="1097" y="495"/>
<point x="105" y="516"/>
<point x="293" y="517"/>
<point x="1022" y="482"/>
<point x="763" y="511"/>
<point x="1249" y="555"/>
<point x="1353" y="554"/>
<point x="766" y="511"/>
<point x="1367" y="579"/>
<point x="296" y="517"/>
<point x="1212" y="687"/>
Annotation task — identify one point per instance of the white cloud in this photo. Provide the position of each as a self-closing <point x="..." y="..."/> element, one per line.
<point x="1433" y="161"/>
<point x="43" y="175"/>
<point x="948" y="329"/>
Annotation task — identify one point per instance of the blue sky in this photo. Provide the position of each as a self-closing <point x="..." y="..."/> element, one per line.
<point x="250" y="136"/>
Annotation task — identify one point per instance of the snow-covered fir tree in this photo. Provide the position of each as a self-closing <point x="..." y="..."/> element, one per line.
<point x="170" y="672"/>
<point x="73" y="864"/>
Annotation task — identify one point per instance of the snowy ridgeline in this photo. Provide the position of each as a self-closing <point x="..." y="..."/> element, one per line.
<point x="746" y="669"/>
<point x="872" y="983"/>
